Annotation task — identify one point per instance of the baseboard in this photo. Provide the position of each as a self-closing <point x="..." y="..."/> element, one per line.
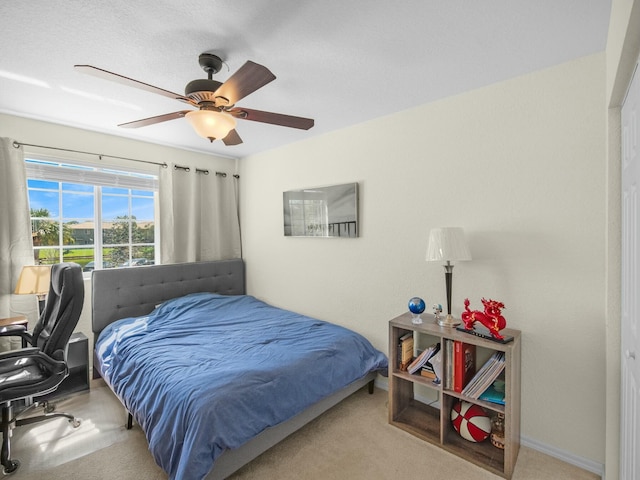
<point x="570" y="458"/>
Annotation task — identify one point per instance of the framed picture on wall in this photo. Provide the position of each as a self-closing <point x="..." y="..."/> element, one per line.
<point x="322" y="211"/>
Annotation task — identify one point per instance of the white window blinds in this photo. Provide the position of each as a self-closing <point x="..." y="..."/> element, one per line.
<point x="66" y="172"/>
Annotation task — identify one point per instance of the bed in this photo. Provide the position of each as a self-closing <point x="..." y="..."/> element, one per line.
<point x="213" y="376"/>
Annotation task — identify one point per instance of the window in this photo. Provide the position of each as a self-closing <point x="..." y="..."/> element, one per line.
<point x="96" y="217"/>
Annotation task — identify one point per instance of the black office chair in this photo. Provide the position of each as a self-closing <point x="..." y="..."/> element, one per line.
<point x="35" y="371"/>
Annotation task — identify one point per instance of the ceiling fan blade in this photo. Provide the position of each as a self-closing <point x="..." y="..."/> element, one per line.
<point x="153" y="120"/>
<point x="232" y="138"/>
<point x="249" y="78"/>
<point x="114" y="77"/>
<point x="272" y="118"/>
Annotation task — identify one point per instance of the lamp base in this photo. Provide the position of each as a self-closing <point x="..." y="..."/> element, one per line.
<point x="448" y="321"/>
<point x="42" y="301"/>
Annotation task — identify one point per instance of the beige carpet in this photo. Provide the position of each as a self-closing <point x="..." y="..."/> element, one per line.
<point x="351" y="441"/>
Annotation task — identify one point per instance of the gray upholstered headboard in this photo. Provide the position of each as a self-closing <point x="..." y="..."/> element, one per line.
<point x="131" y="292"/>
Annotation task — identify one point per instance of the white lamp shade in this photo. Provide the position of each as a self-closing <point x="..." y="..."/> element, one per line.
<point x="211" y="124"/>
<point x="34" y="280"/>
<point x="447" y="244"/>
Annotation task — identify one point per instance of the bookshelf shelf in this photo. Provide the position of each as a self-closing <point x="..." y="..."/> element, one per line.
<point x="432" y="422"/>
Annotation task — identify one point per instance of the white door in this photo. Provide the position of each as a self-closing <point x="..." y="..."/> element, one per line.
<point x="630" y="345"/>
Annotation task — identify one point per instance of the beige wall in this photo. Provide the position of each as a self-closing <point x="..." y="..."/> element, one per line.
<point x="521" y="166"/>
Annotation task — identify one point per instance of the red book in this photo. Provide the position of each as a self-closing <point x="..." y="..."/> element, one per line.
<point x="464" y="364"/>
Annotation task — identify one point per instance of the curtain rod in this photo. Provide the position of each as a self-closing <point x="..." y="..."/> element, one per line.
<point x="199" y="170"/>
<point x="99" y="155"/>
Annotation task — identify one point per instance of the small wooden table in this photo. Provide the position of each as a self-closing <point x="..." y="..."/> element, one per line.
<point x="19" y="320"/>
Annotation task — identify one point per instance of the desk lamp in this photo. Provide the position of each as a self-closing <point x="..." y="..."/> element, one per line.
<point x="447" y="244"/>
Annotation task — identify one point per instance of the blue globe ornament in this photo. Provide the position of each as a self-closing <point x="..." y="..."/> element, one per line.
<point x="416" y="307"/>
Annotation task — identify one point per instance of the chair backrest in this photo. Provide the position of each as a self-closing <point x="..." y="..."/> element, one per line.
<point x="62" y="310"/>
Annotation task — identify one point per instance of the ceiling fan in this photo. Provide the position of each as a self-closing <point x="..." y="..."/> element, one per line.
<point x="216" y="115"/>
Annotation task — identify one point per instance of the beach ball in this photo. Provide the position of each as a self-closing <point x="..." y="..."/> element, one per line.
<point x="470" y="421"/>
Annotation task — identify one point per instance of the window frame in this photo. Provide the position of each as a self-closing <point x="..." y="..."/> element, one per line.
<point x="64" y="170"/>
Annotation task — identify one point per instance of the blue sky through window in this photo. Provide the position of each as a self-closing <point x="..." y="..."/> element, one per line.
<point x="78" y="205"/>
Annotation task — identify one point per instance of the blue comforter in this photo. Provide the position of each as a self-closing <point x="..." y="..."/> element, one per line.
<point x="205" y="373"/>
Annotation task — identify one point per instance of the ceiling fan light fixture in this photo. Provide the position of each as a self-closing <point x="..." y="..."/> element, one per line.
<point x="211" y="124"/>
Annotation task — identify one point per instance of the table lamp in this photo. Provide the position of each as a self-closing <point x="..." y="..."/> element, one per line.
<point x="447" y="244"/>
<point x="35" y="280"/>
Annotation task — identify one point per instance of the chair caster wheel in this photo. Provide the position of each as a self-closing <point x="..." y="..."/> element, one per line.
<point x="75" y="423"/>
<point x="49" y="408"/>
<point x="12" y="468"/>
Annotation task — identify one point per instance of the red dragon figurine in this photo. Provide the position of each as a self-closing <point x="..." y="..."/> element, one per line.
<point x="491" y="318"/>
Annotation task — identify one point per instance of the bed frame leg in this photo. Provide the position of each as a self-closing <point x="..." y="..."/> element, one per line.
<point x="370" y="386"/>
<point x="129" y="421"/>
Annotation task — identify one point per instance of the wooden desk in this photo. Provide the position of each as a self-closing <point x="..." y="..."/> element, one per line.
<point x="19" y="320"/>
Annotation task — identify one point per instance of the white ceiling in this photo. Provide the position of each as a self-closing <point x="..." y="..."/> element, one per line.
<point x="340" y="62"/>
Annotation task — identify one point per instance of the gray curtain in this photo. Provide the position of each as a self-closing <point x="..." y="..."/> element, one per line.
<point x="198" y="216"/>
<point x="16" y="244"/>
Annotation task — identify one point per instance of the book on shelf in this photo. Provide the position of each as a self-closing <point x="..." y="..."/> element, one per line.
<point x="448" y="364"/>
<point x="427" y="367"/>
<point x="435" y="362"/>
<point x="405" y="350"/>
<point x="427" y="373"/>
<point x="492" y="373"/>
<point x="484" y="377"/>
<point x="464" y="364"/>
<point x="423" y="358"/>
<point x="406" y="336"/>
<point x="494" y="393"/>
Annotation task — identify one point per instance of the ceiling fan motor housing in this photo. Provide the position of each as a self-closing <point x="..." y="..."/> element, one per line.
<point x="203" y="90"/>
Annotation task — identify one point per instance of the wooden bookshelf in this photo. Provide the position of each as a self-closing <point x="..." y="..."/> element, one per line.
<point x="432" y="422"/>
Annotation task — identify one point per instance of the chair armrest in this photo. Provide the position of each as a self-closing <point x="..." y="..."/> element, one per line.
<point x="60" y="355"/>
<point x="29" y="372"/>
<point x="16" y="331"/>
<point x="34" y="352"/>
<point x="21" y="352"/>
